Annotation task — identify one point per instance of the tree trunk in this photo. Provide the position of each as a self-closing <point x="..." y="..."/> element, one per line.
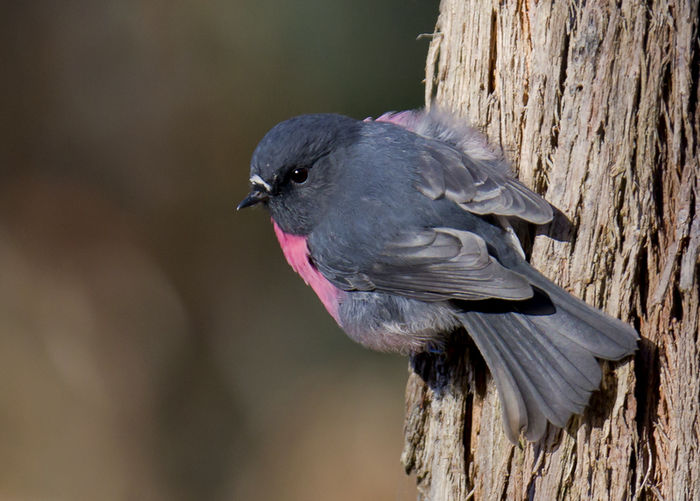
<point x="596" y="105"/>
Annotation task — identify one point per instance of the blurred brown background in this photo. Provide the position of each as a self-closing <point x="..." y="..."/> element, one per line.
<point x="153" y="343"/>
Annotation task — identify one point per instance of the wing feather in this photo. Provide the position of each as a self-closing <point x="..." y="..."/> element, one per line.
<point x="434" y="264"/>
<point x="477" y="187"/>
<point x="460" y="166"/>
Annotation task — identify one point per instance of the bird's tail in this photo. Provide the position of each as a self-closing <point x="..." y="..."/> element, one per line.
<point x="542" y="354"/>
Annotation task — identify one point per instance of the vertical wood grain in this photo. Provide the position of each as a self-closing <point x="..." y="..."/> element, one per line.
<point x="596" y="106"/>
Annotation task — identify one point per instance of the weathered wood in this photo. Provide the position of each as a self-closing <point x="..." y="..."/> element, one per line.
<point x="596" y="105"/>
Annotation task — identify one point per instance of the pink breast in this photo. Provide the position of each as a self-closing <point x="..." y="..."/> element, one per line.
<point x="297" y="253"/>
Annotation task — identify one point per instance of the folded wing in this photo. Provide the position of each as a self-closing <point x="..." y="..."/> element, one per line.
<point x="477" y="186"/>
<point x="433" y="264"/>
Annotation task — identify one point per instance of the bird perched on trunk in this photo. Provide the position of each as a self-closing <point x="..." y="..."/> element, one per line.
<point x="401" y="227"/>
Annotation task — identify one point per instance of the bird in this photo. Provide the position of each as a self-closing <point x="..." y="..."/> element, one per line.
<point x="403" y="227"/>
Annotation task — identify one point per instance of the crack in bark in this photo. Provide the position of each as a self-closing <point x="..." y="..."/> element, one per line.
<point x="493" y="55"/>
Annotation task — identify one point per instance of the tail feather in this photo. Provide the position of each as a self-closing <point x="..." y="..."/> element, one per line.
<point x="544" y="365"/>
<point x="606" y="337"/>
<point x="546" y="383"/>
<point x="572" y="369"/>
<point x="517" y="413"/>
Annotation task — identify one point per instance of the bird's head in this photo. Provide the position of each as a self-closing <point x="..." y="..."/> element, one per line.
<point x="292" y="169"/>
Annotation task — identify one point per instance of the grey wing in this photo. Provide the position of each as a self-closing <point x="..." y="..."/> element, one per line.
<point x="477" y="186"/>
<point x="433" y="264"/>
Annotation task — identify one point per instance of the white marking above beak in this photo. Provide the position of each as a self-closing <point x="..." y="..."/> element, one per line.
<point x="257" y="180"/>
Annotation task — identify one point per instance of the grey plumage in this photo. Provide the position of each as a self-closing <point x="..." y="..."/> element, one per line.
<point x="403" y="218"/>
<point x="434" y="264"/>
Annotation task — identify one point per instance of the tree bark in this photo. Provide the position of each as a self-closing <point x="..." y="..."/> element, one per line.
<point x="597" y="106"/>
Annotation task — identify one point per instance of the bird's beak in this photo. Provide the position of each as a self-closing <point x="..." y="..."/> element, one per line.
<point x="254" y="197"/>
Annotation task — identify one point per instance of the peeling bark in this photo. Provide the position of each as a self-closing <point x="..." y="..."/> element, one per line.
<point x="597" y="106"/>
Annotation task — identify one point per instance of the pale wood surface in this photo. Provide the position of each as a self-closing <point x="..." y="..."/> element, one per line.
<point x="596" y="105"/>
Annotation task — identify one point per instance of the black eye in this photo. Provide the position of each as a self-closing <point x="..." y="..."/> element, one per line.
<point x="299" y="175"/>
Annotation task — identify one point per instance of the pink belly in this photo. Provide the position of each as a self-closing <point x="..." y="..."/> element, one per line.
<point x="297" y="254"/>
